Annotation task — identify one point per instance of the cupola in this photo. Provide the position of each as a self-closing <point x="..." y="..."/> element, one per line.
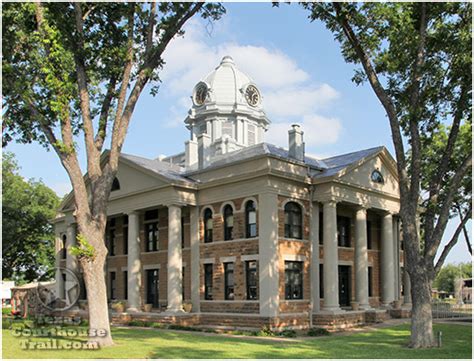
<point x="227" y="110"/>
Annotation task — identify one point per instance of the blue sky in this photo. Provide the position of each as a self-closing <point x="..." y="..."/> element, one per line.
<point x="296" y="64"/>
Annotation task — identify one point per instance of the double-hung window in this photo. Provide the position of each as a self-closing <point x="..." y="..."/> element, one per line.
<point x="293" y="221"/>
<point x="208" y="281"/>
<point x="251" y="273"/>
<point x="293" y="280"/>
<point x="229" y="280"/>
<point x="151" y="231"/>
<point x="250" y="219"/>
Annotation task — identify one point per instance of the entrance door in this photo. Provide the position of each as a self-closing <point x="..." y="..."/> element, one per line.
<point x="152" y="287"/>
<point x="345" y="285"/>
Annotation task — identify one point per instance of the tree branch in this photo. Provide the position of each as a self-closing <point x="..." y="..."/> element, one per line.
<point x="453" y="241"/>
<point x="435" y="183"/>
<point x="382" y="96"/>
<point x="104" y="115"/>
<point x="143" y="77"/>
<point x="93" y="166"/>
<point x="125" y="77"/>
<point x="414" y="100"/>
<point x="464" y="229"/>
<point x="151" y="27"/>
<point x="433" y="242"/>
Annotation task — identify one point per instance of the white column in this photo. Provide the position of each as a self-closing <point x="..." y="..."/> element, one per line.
<point x="268" y="255"/>
<point x="175" y="260"/>
<point x="134" y="263"/>
<point x="396" y="260"/>
<point x="361" y="259"/>
<point x="195" y="279"/>
<point x="331" y="276"/>
<point x="315" y="257"/>
<point x="71" y="261"/>
<point x="388" y="269"/>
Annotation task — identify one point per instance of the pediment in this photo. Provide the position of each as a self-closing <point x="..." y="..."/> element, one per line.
<point x="360" y="175"/>
<point x="132" y="179"/>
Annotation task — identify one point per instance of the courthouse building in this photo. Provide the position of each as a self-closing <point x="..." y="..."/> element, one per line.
<point x="244" y="233"/>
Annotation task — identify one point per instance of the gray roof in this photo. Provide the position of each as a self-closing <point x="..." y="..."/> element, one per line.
<point x="262" y="149"/>
<point x="321" y="168"/>
<point x="340" y="162"/>
<point x="170" y="171"/>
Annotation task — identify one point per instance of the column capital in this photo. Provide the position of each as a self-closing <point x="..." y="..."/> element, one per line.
<point x="175" y="204"/>
<point x="131" y="213"/>
<point x="361" y="208"/>
<point x="330" y="202"/>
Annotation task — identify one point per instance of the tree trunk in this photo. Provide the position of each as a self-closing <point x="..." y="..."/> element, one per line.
<point x="95" y="283"/>
<point x="421" y="317"/>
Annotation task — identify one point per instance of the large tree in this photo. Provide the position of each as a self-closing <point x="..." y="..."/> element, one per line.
<point x="78" y="69"/>
<point x="417" y="59"/>
<point x="27" y="233"/>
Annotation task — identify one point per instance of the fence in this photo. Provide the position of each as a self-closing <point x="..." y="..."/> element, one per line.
<point x="449" y="310"/>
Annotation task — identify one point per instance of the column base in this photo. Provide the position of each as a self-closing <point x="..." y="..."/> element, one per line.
<point x="334" y="310"/>
<point x="173" y="311"/>
<point x="386" y="306"/>
<point x="365" y="307"/>
<point x="132" y="310"/>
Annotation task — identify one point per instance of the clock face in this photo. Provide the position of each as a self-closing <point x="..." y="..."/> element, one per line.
<point x="252" y="95"/>
<point x="201" y="94"/>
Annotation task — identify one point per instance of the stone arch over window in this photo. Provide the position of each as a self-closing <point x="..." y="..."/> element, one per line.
<point x="228" y="215"/>
<point x="250" y="218"/>
<point x="293" y="220"/>
<point x="208" y="224"/>
<point x="115" y="185"/>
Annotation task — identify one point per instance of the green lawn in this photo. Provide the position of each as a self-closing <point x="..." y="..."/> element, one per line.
<point x="154" y="343"/>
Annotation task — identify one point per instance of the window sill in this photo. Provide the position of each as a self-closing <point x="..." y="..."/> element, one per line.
<point x="231" y="301"/>
<point x="229" y="241"/>
<point x="293" y="239"/>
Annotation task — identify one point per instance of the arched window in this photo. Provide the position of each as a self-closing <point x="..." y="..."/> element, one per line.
<point x="228" y="222"/>
<point x="293" y="221"/>
<point x="208" y="225"/>
<point x="250" y="219"/>
<point x="63" y="249"/>
<point x="115" y="184"/>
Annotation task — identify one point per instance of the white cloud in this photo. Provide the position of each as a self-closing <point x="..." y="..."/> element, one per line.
<point x="318" y="130"/>
<point x="289" y="94"/>
<point x="299" y="101"/>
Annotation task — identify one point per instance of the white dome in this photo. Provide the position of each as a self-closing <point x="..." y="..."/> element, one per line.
<point x="227" y="83"/>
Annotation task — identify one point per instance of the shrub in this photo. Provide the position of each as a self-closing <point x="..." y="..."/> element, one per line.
<point x="158" y="325"/>
<point x="266" y="331"/>
<point x="6" y="311"/>
<point x="287" y="333"/>
<point x="317" y="331"/>
<point x="209" y="330"/>
<point x="84" y="323"/>
<point x="183" y="328"/>
<point x="139" y="323"/>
